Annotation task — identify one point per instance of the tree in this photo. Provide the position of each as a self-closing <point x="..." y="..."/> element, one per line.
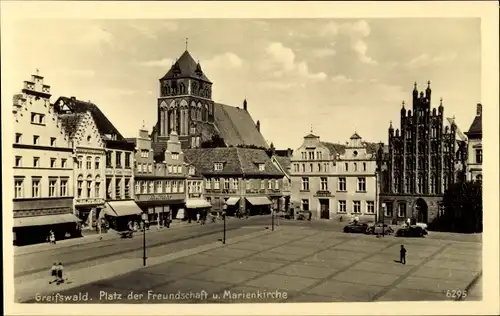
<point x="215" y="142"/>
<point x="463" y="209"/>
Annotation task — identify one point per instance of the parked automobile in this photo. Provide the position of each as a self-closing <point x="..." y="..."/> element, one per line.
<point x="379" y="229"/>
<point x="359" y="228"/>
<point x="423" y="225"/>
<point x="412" y="231"/>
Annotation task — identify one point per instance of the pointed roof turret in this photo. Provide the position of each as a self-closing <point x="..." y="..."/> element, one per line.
<point x="186" y="67"/>
<point x="355" y="136"/>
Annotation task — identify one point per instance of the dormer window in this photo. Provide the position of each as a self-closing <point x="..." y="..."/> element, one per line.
<point x="261" y="166"/>
<point x="175" y="156"/>
<point x="218" y="166"/>
<point x="191" y="171"/>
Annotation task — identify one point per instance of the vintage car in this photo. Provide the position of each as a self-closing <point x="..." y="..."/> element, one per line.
<point x="412" y="231"/>
<point x="379" y="229"/>
<point x="358" y="228"/>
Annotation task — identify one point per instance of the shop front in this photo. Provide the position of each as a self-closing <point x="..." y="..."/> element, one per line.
<point x="36" y="229"/>
<point x="259" y="205"/>
<point x="118" y="214"/>
<point x="195" y="206"/>
<point x="89" y="212"/>
<point x="161" y="207"/>
<point x="233" y="204"/>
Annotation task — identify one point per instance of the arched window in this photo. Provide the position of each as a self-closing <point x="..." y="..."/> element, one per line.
<point x="433" y="184"/>
<point x="420" y="183"/>
<point x="408" y="184"/>
<point x="182" y="88"/>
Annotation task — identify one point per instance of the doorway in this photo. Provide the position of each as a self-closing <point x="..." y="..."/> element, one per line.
<point x="422" y="211"/>
<point x="324" y="205"/>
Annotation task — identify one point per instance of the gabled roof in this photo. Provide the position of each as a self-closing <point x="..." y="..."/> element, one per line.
<point x="476" y="128"/>
<point x="237" y="161"/>
<point x="70" y="122"/>
<point x="237" y="127"/>
<point x="186" y="67"/>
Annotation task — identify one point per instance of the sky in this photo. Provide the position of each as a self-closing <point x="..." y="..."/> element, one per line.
<point x="331" y="76"/>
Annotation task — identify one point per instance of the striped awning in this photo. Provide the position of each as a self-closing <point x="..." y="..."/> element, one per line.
<point x="122" y="208"/>
<point x="233" y="200"/>
<point x="45" y="220"/>
<point x="197" y="203"/>
<point x="259" y="200"/>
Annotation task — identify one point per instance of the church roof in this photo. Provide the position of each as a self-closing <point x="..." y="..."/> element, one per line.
<point x="187" y="67"/>
<point x="476" y="128"/>
<point x="236" y="126"/>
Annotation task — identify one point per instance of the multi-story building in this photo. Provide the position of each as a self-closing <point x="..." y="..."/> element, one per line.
<point x="195" y="192"/>
<point x="88" y="166"/>
<point x="159" y="180"/>
<point x="355" y="174"/>
<point x="475" y="147"/>
<point x="43" y="171"/>
<point x="282" y="160"/>
<point x="120" y="207"/>
<point x="240" y="178"/>
<point x="185" y="106"/>
<point x="313" y="181"/>
<point x="426" y="155"/>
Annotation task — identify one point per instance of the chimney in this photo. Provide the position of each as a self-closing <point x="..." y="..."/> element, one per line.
<point x="245" y="104"/>
<point x="258" y="125"/>
<point x="479" y="111"/>
<point x="289" y="152"/>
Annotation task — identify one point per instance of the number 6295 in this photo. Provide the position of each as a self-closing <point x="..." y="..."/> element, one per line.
<point x="456" y="294"/>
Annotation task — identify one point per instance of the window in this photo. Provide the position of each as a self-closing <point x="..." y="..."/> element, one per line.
<point x="326" y="167"/>
<point x="175" y="156"/>
<point x="227" y="183"/>
<point x="36" y="140"/>
<point x="364" y="166"/>
<point x="191" y="171"/>
<point x="370" y="207"/>
<point x="52" y="162"/>
<point x="270" y="184"/>
<point x="362" y="184"/>
<point x="151" y="187"/>
<point x="276" y="185"/>
<point x="388" y="209"/>
<point x="311" y="167"/>
<point x="79" y="162"/>
<point x="137" y="187"/>
<point x="18" y="138"/>
<point x="41" y="119"/>
<point x="33" y="117"/>
<point x="342" y="184"/>
<point x="402" y="210"/>
<point x="64" y="187"/>
<point x="207" y="184"/>
<point x="356" y="207"/>
<point x="218" y="166"/>
<point x="305" y="184"/>
<point x="181" y="186"/>
<point x="108" y="159"/>
<point x="174" y="186"/>
<point x="441" y="210"/>
<point x="108" y="188"/>
<point x="262" y="185"/>
<point x="145" y="186"/>
<point x="52" y="141"/>
<point x="346" y="166"/>
<point x="304" y="155"/>
<point x="159" y="187"/>
<point x="446" y="182"/>
<point x="342" y="206"/>
<point x="433" y="184"/>
<point x="305" y="205"/>
<point x="408" y="184"/>
<point x="127" y="188"/>
<point x="118" y="189"/>
<point x="89" y="188"/>
<point x="355" y="167"/>
<point x="18" y="188"/>
<point x="89" y="163"/>
<point x="96" y="163"/>
<point x="127" y="160"/>
<point x="150" y="168"/>
<point x="168" y="186"/>
<point x="479" y="156"/>
<point x="324" y="184"/>
<point x="261" y="167"/>
<point x="19" y="161"/>
<point x="320" y="155"/>
<point x="35" y="188"/>
<point x="217" y="184"/>
<point x="144" y="153"/>
<point x="319" y="167"/>
<point x="420" y="184"/>
<point x="303" y="167"/>
<point x="64" y="163"/>
<point x="97" y="189"/>
<point x="36" y="162"/>
<point x="118" y="159"/>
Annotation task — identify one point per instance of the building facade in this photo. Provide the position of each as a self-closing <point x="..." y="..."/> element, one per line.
<point x="243" y="179"/>
<point x="43" y="171"/>
<point x="355" y="175"/>
<point x="88" y="166"/>
<point x="475" y="147"/>
<point x="312" y="178"/>
<point x="282" y="161"/>
<point x="195" y="192"/>
<point x="117" y="178"/>
<point x="426" y="155"/>
<point x="159" y="184"/>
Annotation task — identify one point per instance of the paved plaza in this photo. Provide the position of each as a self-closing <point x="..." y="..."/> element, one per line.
<point x="298" y="264"/>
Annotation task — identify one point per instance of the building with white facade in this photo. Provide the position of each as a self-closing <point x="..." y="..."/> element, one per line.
<point x="475" y="147"/>
<point x="43" y="171"/>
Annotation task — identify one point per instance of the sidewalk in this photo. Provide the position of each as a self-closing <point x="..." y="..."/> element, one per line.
<point x="90" y="237"/>
<point x="26" y="291"/>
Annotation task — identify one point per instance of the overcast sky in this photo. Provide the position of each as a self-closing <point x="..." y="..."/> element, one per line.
<point x="336" y="75"/>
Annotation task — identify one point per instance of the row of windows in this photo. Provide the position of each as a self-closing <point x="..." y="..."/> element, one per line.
<point x="88" y="189"/>
<point x="118" y="159"/>
<point x="421" y="185"/>
<point x="159" y="186"/>
<point x="122" y="188"/>
<point x="37" y="163"/>
<point x="342" y="206"/>
<point x="88" y="163"/>
<point x="37" y="118"/>
<point x="233" y="184"/>
<point x="342" y="184"/>
<point x="57" y="188"/>
<point x="324" y="167"/>
<point x="194" y="186"/>
<point x="148" y="168"/>
<point x="311" y="155"/>
<point x="36" y="140"/>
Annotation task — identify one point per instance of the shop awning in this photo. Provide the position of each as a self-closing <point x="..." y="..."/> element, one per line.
<point x="259" y="200"/>
<point x="45" y="220"/>
<point x="197" y="203"/>
<point x="122" y="208"/>
<point x="233" y="200"/>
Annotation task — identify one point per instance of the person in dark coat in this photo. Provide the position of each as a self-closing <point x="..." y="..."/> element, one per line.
<point x="402" y="255"/>
<point x="53" y="273"/>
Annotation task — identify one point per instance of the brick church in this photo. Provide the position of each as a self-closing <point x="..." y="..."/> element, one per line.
<point x="425" y="156"/>
<point x="186" y="107"/>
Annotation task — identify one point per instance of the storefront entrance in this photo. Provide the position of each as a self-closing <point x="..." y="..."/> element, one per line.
<point x="324" y="206"/>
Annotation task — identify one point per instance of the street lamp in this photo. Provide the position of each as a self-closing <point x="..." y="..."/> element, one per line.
<point x="144" y="219"/>
<point x="272" y="218"/>
<point x="224" y="217"/>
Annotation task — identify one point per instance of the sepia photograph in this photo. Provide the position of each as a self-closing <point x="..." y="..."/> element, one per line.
<point x="229" y="161"/>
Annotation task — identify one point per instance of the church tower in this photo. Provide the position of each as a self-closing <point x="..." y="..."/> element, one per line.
<point x="185" y="100"/>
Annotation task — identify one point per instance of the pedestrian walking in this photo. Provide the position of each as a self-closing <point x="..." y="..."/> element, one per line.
<point x="59" y="270"/>
<point x="53" y="273"/>
<point x="310" y="215"/>
<point x="52" y="237"/>
<point x="408" y="222"/>
<point x="402" y="255"/>
<point x="197" y="217"/>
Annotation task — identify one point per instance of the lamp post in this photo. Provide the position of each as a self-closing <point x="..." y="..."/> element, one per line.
<point x="144" y="218"/>
<point x="224" y="217"/>
<point x="383" y="219"/>
<point x="272" y="218"/>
